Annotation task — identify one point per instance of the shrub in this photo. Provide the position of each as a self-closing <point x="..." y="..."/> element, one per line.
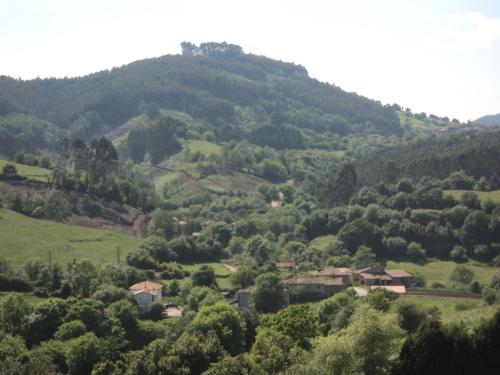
<point x="459" y="254"/>
<point x="9" y="169"/>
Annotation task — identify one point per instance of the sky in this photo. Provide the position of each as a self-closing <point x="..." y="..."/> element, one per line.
<point x="440" y="56"/>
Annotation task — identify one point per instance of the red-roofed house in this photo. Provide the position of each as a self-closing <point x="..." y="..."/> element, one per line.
<point x="379" y="276"/>
<point x="146" y="293"/>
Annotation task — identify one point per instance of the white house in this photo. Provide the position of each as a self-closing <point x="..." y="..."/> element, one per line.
<point x="146" y="293"/>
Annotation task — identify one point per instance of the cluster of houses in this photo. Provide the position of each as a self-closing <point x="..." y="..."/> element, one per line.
<point x="325" y="282"/>
<point x="322" y="283"/>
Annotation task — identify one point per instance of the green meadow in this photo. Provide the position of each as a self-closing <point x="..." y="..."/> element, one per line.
<point x="23" y="238"/>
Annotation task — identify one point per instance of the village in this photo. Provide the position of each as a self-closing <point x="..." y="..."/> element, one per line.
<point x="314" y="285"/>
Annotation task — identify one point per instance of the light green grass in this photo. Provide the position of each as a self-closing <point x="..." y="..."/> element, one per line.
<point x="219" y="269"/>
<point x="205" y="147"/>
<point x="439" y="271"/>
<point x="483" y="195"/>
<point x="35" y="173"/>
<point x="322" y="242"/>
<point x="23" y="238"/>
<point x="476" y="309"/>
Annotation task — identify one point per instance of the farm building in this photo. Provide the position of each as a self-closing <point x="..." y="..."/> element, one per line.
<point x="379" y="276"/>
<point x="146" y="293"/>
<point x="320" y="287"/>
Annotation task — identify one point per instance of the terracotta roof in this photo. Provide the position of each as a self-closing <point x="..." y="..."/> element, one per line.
<point x="397" y="273"/>
<point x="314" y="281"/>
<point x="369" y="276"/>
<point x="329" y="271"/>
<point x="362" y="270"/>
<point x="401" y="289"/>
<point x="146" y="285"/>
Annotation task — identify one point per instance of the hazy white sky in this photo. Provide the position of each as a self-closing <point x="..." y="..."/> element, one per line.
<point x="440" y="57"/>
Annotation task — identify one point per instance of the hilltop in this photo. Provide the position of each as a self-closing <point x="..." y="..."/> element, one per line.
<point x="490" y="120"/>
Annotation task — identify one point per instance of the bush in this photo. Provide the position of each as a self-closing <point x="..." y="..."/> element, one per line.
<point x="9" y="169"/>
<point x="156" y="312"/>
<point x="418" y="281"/>
<point x="437" y="285"/>
<point x="459" y="254"/>
<point x="416" y="252"/>
<point x="171" y="271"/>
<point x="14" y="284"/>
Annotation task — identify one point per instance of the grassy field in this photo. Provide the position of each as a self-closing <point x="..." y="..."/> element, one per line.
<point x="465" y="310"/>
<point x="23" y="238"/>
<point x="439" y="271"/>
<point x="205" y="147"/>
<point x="483" y="195"/>
<point x="35" y="173"/>
<point x="322" y="242"/>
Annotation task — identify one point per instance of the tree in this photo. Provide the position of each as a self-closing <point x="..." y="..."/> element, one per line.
<point x="297" y="322"/>
<point x="459" y="254"/>
<point x="462" y="274"/>
<point x="271" y="351"/>
<point x="476" y="228"/>
<point x="416" y="252"/>
<point x="410" y="316"/>
<point x="45" y="319"/>
<point x="364" y="257"/>
<point x="268" y="293"/>
<point x="83" y="277"/>
<point x="204" y="276"/>
<point x="14" y="313"/>
<point x="470" y="200"/>
<point x="83" y="353"/>
<point x="126" y="313"/>
<point x="163" y="224"/>
<point x="136" y="145"/>
<point x="91" y="313"/>
<point x="70" y="330"/>
<point x="243" y="277"/>
<point x="9" y="169"/>
<point x="224" y="321"/>
<point x="368" y="345"/>
<point x="345" y="182"/>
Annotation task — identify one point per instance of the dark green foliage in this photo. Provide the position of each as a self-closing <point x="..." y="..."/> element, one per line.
<point x="205" y="276"/>
<point x="277" y="136"/>
<point x="474" y="153"/>
<point x="268" y="293"/>
<point x="297" y="322"/>
<point x="9" y="169"/>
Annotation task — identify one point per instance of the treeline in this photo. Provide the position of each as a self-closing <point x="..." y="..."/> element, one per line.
<point x="475" y="152"/>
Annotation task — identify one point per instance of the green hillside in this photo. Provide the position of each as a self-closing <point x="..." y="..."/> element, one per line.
<point x="34" y="173"/>
<point x="24" y="238"/>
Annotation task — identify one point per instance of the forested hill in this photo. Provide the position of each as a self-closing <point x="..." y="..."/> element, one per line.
<point x="491" y="120"/>
<point x="476" y="152"/>
<point x="216" y="83"/>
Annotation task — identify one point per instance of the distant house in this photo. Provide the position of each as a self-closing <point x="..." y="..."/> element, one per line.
<point x="146" y="293"/>
<point x="316" y="286"/>
<point x="243" y="298"/>
<point x="333" y="272"/>
<point x="379" y="276"/>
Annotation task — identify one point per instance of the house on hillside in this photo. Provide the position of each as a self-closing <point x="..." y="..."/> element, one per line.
<point x="146" y="293"/>
<point x="333" y="272"/>
<point x="377" y="275"/>
<point x="315" y="287"/>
